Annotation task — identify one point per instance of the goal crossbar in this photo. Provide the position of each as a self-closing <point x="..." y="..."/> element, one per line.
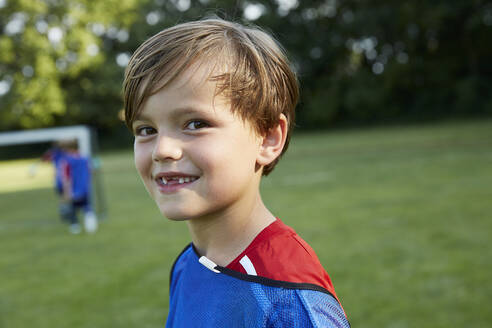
<point x="81" y="133"/>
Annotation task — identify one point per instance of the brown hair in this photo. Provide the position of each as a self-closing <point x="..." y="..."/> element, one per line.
<point x="257" y="79"/>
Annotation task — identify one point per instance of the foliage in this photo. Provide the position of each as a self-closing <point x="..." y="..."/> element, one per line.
<point x="358" y="62"/>
<point x="377" y="60"/>
<point x="50" y="51"/>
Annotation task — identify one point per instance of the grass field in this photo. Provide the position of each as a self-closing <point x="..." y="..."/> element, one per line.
<point x="400" y="217"/>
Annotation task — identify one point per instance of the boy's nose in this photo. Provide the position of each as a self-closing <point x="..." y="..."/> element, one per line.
<point x="166" y="149"/>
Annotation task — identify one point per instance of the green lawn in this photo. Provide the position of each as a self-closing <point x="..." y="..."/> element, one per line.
<point x="400" y="217"/>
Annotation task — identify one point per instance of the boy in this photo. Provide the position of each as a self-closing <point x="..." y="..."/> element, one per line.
<point x="211" y="104"/>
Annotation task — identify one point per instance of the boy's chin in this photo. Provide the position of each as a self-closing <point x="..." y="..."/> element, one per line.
<point x="176" y="218"/>
<point x="175" y="215"/>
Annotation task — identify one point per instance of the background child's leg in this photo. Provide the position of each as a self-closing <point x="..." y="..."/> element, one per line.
<point x="66" y="211"/>
<point x="72" y="216"/>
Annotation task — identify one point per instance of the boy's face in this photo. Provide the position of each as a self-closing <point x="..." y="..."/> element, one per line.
<point x="195" y="157"/>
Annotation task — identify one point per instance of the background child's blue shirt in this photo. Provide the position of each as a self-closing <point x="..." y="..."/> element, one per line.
<point x="200" y="297"/>
<point x="80" y="175"/>
<point x="79" y="172"/>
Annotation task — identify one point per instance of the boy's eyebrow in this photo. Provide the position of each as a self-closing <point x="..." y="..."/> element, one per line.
<point x="174" y="113"/>
<point x="141" y="117"/>
<point x="186" y="110"/>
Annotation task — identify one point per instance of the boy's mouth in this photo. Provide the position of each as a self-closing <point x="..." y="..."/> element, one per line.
<point x="168" y="179"/>
<point x="175" y="180"/>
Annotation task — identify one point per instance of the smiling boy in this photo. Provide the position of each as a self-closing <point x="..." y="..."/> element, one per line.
<point x="211" y="104"/>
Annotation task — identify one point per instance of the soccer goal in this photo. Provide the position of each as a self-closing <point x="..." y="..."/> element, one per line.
<point x="87" y="144"/>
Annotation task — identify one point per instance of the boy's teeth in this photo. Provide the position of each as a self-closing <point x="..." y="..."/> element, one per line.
<point x="179" y="180"/>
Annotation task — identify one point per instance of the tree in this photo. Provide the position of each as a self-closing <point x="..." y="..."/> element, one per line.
<point x="48" y="52"/>
<point x="372" y="61"/>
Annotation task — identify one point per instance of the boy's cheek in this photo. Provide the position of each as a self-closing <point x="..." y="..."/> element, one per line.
<point x="141" y="162"/>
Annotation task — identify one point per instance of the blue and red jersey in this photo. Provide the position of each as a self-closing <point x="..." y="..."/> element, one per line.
<point x="277" y="281"/>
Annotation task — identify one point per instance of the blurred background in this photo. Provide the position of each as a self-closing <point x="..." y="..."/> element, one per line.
<point x="388" y="176"/>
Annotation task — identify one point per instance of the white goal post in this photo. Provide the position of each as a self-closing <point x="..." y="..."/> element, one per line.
<point x="79" y="132"/>
<point x="85" y="141"/>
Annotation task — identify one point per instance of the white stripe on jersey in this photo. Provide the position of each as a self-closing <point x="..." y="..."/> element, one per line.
<point x="248" y="265"/>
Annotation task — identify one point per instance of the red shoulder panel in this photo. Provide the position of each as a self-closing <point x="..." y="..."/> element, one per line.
<point x="279" y="253"/>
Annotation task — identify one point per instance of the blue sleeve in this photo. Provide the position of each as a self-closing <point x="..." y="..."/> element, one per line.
<point x="323" y="310"/>
<point x="311" y="309"/>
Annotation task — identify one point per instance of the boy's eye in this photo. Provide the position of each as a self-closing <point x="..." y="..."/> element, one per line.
<point x="196" y="124"/>
<point x="144" y="131"/>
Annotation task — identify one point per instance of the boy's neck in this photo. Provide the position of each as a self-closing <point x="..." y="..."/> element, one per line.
<point x="224" y="236"/>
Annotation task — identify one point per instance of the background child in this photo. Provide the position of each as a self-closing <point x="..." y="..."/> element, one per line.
<point x="211" y="104"/>
<point x="73" y="184"/>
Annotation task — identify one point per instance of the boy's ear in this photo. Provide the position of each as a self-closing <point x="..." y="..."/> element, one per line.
<point x="273" y="142"/>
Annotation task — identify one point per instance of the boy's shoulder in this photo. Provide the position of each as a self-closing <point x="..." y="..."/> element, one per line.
<point x="279" y="253"/>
